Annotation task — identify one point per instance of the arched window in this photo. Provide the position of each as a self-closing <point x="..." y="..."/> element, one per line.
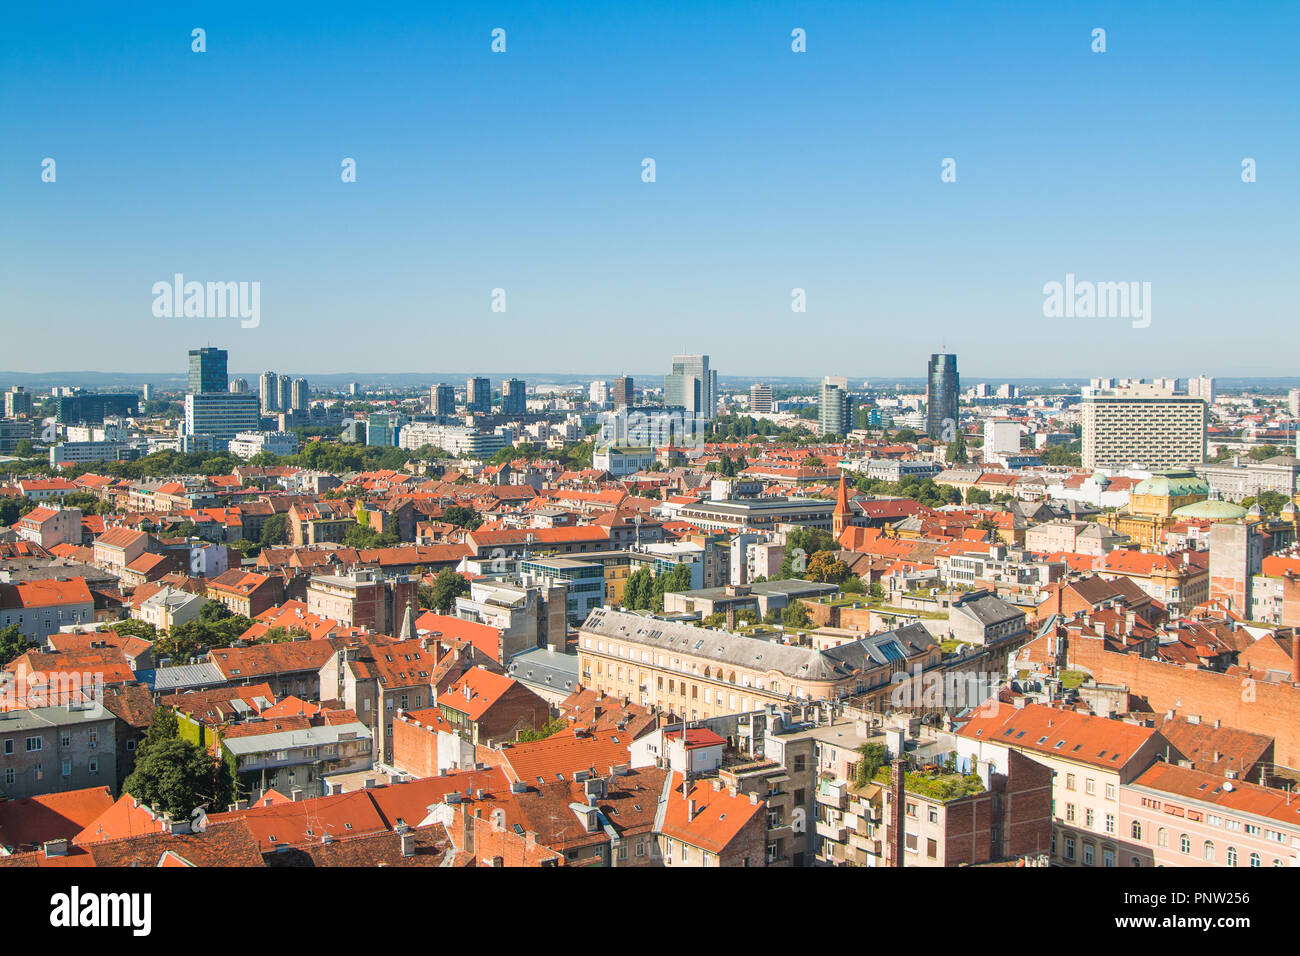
<point x="1136" y="861"/>
<point x="1232" y="856"/>
<point x="1209" y="851"/>
<point x="1254" y="859"/>
<point x="1136" y="830"/>
<point x="1185" y="843"/>
<point x="1162" y="838"/>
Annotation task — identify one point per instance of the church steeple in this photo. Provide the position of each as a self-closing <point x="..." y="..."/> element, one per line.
<point x="843" y="515"/>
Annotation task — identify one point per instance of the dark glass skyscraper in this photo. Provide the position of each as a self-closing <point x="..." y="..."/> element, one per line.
<point x="208" y="371"/>
<point x="941" y="388"/>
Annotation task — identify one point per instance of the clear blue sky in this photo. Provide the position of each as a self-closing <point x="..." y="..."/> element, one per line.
<point x="775" y="170"/>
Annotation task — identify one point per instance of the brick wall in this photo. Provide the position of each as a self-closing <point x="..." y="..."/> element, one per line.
<point x="1263" y="708"/>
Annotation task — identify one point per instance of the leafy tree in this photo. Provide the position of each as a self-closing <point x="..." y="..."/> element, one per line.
<point x="134" y="628"/>
<point x="13" y="643"/>
<point x="11" y="509"/>
<point x="795" y="615"/>
<point x="824" y="566"/>
<point x="175" y="776"/>
<point x="852" y="585"/>
<point x="275" y="530"/>
<point x="874" y="756"/>
<point x="462" y="517"/>
<point x="364" y="536"/>
<point x="447" y="586"/>
<point x="978" y="496"/>
<point x="877" y="591"/>
<point x="24" y="448"/>
<point x="956" y="452"/>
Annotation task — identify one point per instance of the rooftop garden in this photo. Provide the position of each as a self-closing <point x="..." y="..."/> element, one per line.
<point x="935" y="786"/>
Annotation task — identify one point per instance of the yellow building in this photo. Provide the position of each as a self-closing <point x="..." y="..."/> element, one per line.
<point x="1152" y="503"/>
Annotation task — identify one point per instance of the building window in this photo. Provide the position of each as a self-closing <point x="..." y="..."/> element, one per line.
<point x="1208" y="852"/>
<point x="1107" y="856"/>
<point x="33" y="744"/>
<point x="1090" y="786"/>
<point x="1088" y="854"/>
<point x="1254" y="859"/>
<point x="1232" y="856"/>
<point x="1162" y="838"/>
<point x="1069" y="781"/>
<point x="931" y="849"/>
<point x="1185" y="843"/>
<point x="66" y="768"/>
<point x="1110" y="823"/>
<point x="1069" y="812"/>
<point x="1136" y="830"/>
<point x="1089" y="817"/>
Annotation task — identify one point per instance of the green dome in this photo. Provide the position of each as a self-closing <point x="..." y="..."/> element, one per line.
<point x="1171" y="487"/>
<point x="1212" y="511"/>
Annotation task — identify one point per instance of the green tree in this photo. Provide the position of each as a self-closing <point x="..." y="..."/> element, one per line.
<point x="13" y="643"/>
<point x="447" y="586"/>
<point x="795" y="615"/>
<point x="275" y="530"/>
<point x="956" y="452"/>
<point x="462" y="517"/>
<point x="175" y="776"/>
<point x="874" y="756"/>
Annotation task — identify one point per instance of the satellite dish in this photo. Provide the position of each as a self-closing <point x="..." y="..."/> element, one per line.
<point x="1227" y="786"/>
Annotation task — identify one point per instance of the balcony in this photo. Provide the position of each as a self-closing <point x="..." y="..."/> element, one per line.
<point x="835" y="832"/>
<point x="832" y="794"/>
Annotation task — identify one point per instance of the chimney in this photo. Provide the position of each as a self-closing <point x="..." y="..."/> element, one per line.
<point x="1295" y="657"/>
<point x="753" y="798"/>
<point x="530" y="841"/>
<point x="690" y="810"/>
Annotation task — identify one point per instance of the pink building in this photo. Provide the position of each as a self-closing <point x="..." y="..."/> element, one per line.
<point x="1175" y="816"/>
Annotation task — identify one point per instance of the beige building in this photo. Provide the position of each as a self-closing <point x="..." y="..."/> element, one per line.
<point x="1090" y="757"/>
<point x="701" y="672"/>
<point x="1142" y="424"/>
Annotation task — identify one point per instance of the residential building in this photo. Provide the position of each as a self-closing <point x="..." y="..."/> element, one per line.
<point x="1142" y="424"/>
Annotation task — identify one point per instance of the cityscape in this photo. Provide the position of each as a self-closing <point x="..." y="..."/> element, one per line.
<point x="535" y="438"/>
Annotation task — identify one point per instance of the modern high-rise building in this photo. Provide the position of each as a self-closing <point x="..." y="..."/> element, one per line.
<point x="941" y="390"/>
<point x="442" y="399"/>
<point x="299" y="395"/>
<point x="269" y="391"/>
<point x="239" y="386"/>
<point x="1142" y="424"/>
<point x="1201" y="386"/>
<point x="354" y="389"/>
<point x="146" y="392"/>
<point x="286" y="394"/>
<point x="219" y="416"/>
<point x="514" y="397"/>
<point x="622" y="391"/>
<point x="692" y="386"/>
<point x="383" y="428"/>
<point x="208" y="371"/>
<point x="478" y="395"/>
<point x="598" y="392"/>
<point x="18" y="402"/>
<point x="835" y="412"/>
<point x="760" y="398"/>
